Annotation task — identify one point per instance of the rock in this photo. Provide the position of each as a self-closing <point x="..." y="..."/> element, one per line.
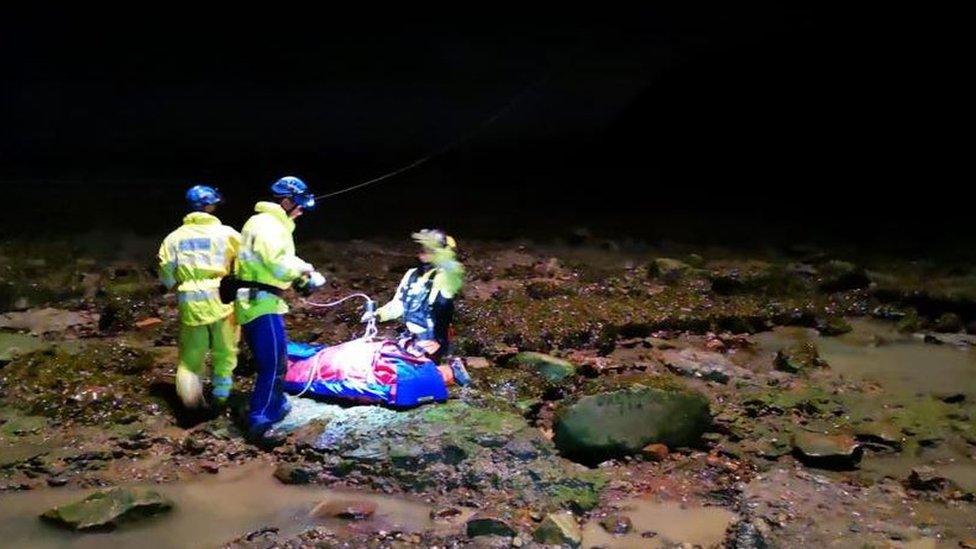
<point x="476" y="362"/>
<point x="621" y="416"/>
<point x="14" y="345"/>
<point x="486" y="448"/>
<point x="655" y="452"/>
<point x="148" y="323"/>
<point x="550" y="368"/>
<point x="559" y="528"/>
<point x="344" y="509"/>
<point x="926" y="478"/>
<point x="702" y="364"/>
<point x="838" y="276"/>
<point x="617" y="525"/>
<point x="668" y="270"/>
<point x="948" y="323"/>
<point x="798" y="358"/>
<point x="751" y="535"/>
<point x="832" y="326"/>
<point x="909" y="323"/>
<point x="42" y="321"/>
<point x="211" y="467"/>
<point x="104" y="510"/>
<point x="482" y="524"/>
<point x="290" y="473"/>
<point x="827" y="451"/>
<point x="445" y="513"/>
<point x="880" y="432"/>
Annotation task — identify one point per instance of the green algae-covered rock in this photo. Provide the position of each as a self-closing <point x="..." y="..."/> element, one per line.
<point x="559" y="529"/>
<point x="798" y="358"/>
<point x="104" y="510"/>
<point x="837" y="276"/>
<point x="14" y="345"/>
<point x="550" y="368"/>
<point x="832" y="326"/>
<point x="621" y="417"/>
<point x="667" y="269"/>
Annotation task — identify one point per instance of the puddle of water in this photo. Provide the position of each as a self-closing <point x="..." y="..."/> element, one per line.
<point x="704" y="526"/>
<point x="207" y="513"/>
<point x="908" y="371"/>
<point x="875" y="351"/>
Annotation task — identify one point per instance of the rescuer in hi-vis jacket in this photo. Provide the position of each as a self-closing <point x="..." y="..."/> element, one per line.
<point x="424" y="299"/>
<point x="193" y="259"/>
<point x="267" y="258"/>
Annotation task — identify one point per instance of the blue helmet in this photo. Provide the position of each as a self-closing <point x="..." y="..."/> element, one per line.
<point x="296" y="190"/>
<point x="201" y="196"/>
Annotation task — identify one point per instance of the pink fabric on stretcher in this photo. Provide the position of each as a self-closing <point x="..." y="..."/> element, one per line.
<point x="353" y="361"/>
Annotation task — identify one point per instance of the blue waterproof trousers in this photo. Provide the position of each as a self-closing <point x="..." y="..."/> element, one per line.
<point x="267" y="340"/>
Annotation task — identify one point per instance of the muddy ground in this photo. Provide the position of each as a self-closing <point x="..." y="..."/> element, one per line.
<point x="839" y="389"/>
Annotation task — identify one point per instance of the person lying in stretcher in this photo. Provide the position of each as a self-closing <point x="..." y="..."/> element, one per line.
<point x="370" y="371"/>
<point x="398" y="373"/>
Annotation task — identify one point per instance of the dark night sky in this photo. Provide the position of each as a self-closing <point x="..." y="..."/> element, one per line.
<point x="758" y="119"/>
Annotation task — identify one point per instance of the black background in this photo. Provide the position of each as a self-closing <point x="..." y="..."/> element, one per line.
<point x="733" y="125"/>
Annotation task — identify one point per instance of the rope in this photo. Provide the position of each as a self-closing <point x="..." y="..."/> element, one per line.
<point x="453" y="144"/>
<point x="371" y="329"/>
<point x="368" y="335"/>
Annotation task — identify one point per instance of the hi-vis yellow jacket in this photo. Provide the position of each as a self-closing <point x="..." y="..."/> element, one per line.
<point x="267" y="255"/>
<point x="194" y="258"/>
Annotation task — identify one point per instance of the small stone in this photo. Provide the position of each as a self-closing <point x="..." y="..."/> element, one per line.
<point x="482" y="524"/>
<point x="476" y="362"/>
<point x="211" y="467"/>
<point x="617" y="524"/>
<point x="290" y="473"/>
<point x="926" y="478"/>
<point x="832" y="326"/>
<point x="56" y="482"/>
<point x="344" y="509"/>
<point x="798" y="358"/>
<point x="655" y="452"/>
<point x="148" y="323"/>
<point x="667" y="269"/>
<point x="827" y="451"/>
<point x="559" y="528"/>
<point x="445" y="513"/>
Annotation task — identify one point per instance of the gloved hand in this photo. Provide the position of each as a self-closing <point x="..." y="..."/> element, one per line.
<point x="367" y="316"/>
<point x="315" y="280"/>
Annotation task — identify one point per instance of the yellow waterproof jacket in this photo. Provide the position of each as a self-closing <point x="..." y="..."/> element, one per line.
<point x="267" y="255"/>
<point x="193" y="259"/>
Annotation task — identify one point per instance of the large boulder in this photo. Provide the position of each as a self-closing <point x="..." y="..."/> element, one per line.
<point x="492" y="452"/>
<point x="104" y="510"/>
<point x="620" y="417"/>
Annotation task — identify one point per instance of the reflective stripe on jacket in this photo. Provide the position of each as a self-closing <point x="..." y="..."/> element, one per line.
<point x="193" y="259"/>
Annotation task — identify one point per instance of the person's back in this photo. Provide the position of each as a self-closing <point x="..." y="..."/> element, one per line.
<point x="193" y="259"/>
<point x="200" y="253"/>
